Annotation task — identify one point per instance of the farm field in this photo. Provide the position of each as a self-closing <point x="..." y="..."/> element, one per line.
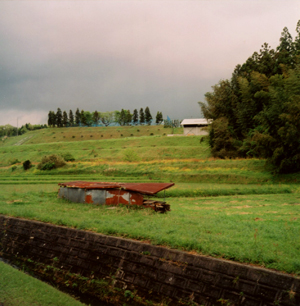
<point x="233" y="209"/>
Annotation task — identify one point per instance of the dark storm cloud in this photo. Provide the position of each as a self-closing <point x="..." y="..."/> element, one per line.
<point x="108" y="55"/>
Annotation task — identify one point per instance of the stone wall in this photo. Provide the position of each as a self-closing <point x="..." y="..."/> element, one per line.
<point x="151" y="270"/>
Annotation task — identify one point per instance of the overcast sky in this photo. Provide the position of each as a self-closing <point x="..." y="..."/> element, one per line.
<point x="109" y="55"/>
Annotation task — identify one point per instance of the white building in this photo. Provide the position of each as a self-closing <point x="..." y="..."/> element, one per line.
<point x="195" y="126"/>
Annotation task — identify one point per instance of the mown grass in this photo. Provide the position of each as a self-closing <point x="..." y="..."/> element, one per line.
<point x="257" y="229"/>
<point x="18" y="288"/>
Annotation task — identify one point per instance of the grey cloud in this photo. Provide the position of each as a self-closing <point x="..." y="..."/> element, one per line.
<point x="109" y="55"/>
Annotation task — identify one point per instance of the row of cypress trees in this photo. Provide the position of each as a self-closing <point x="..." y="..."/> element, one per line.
<point x="86" y="118"/>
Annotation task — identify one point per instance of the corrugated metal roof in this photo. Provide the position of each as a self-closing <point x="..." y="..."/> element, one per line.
<point x="144" y="188"/>
<point x="201" y="121"/>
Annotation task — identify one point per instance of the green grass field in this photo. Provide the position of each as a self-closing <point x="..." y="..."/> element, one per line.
<point x="233" y="209"/>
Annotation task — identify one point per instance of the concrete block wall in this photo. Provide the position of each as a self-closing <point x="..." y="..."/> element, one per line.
<point x="151" y="270"/>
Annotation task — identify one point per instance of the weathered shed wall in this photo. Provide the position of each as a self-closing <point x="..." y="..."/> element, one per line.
<point x="151" y="270"/>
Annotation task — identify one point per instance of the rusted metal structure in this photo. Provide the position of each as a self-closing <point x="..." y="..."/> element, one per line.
<point x="100" y="193"/>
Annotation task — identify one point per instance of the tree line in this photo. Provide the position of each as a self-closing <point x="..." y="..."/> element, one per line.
<point x="257" y="112"/>
<point x="9" y="130"/>
<point x="86" y="118"/>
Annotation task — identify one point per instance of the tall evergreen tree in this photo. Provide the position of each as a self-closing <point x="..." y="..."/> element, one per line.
<point x="122" y="117"/>
<point x="142" y="116"/>
<point x="77" y="117"/>
<point x="159" y="118"/>
<point x="96" y="117"/>
<point x="128" y="117"/>
<point x="50" y="123"/>
<point x="135" y="117"/>
<point x="148" y="116"/>
<point x="65" y="119"/>
<point x="59" y="118"/>
<point x="71" y="118"/>
<point x="82" y="118"/>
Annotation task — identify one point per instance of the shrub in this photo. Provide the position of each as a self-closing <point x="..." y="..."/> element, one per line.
<point x="14" y="161"/>
<point x="48" y="166"/>
<point x="73" y="136"/>
<point x="51" y="162"/>
<point x="137" y="130"/>
<point x="27" y="164"/>
<point x="130" y="156"/>
<point x="13" y="168"/>
<point x="151" y="134"/>
<point x="68" y="157"/>
<point x="121" y="135"/>
<point x="131" y="134"/>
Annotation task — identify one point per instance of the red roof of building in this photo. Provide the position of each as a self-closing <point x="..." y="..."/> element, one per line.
<point x="144" y="188"/>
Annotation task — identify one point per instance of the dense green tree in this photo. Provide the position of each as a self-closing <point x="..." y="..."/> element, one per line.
<point x="148" y="116"/>
<point x="159" y="118"/>
<point x="77" y="117"/>
<point x="122" y="117"/>
<point x="71" y="118"/>
<point x="51" y="119"/>
<point x="65" y="119"/>
<point x="59" y="118"/>
<point x="142" y="116"/>
<point x="135" y="117"/>
<point x="257" y="112"/>
<point x="128" y="117"/>
<point x="82" y="118"/>
<point x="107" y="118"/>
<point x="96" y="117"/>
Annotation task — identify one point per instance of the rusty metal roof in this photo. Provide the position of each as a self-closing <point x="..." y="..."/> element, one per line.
<point x="144" y="188"/>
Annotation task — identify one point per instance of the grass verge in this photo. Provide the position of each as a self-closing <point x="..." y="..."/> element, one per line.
<point x="18" y="288"/>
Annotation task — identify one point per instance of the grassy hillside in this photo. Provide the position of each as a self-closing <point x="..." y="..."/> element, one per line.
<point x="244" y="219"/>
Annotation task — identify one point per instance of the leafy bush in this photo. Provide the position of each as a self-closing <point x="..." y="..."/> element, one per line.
<point x="130" y="156"/>
<point x="13" y="168"/>
<point x="68" y="157"/>
<point x="27" y="164"/>
<point x="14" y="161"/>
<point x="51" y="162"/>
<point x="48" y="166"/>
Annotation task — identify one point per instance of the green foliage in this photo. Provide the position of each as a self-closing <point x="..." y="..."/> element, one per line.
<point x="27" y="164"/>
<point x="68" y="157"/>
<point x="130" y="156"/>
<point x="256" y="113"/>
<point x="148" y="116"/>
<point x="14" y="161"/>
<point x="51" y="162"/>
